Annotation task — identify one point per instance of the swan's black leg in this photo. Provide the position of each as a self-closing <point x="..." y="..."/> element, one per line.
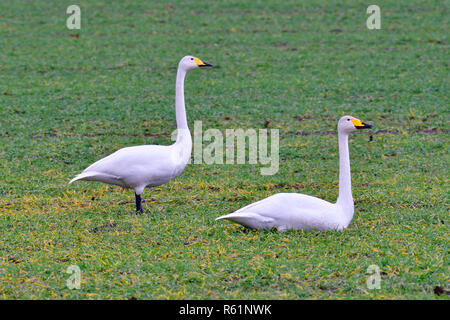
<point x="138" y="203"/>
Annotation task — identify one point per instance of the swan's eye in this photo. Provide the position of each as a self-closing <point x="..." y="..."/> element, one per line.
<point x="192" y="58"/>
<point x="348" y="119"/>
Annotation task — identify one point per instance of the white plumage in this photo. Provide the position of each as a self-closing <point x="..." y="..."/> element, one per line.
<point x="149" y="165"/>
<point x="285" y="211"/>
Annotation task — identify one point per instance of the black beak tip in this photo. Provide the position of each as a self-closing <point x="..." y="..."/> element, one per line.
<point x="365" y="126"/>
<point x="206" y="65"/>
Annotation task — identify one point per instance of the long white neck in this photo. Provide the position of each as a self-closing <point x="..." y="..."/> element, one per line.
<point x="180" y="110"/>
<point x="345" y="199"/>
<point x="179" y="100"/>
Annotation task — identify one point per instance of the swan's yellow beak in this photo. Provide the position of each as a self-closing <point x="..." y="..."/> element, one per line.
<point x="360" y="125"/>
<point x="200" y="63"/>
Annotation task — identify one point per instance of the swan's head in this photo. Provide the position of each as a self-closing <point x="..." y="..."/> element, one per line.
<point x="349" y="124"/>
<point x="190" y="62"/>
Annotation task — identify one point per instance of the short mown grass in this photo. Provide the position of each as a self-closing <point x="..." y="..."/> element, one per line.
<point x="68" y="98"/>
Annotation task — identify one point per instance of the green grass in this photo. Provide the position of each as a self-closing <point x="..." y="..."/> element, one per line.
<point x="66" y="101"/>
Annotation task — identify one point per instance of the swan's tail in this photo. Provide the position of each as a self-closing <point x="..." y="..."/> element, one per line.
<point x="98" y="176"/>
<point x="249" y="220"/>
<point x="84" y="176"/>
<point x="227" y="216"/>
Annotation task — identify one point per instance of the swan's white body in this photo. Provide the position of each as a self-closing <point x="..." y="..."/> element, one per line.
<point x="141" y="166"/>
<point x="285" y="211"/>
<point x="149" y="165"/>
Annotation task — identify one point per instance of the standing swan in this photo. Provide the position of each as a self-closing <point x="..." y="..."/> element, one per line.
<point x="298" y="211"/>
<point x="149" y="165"/>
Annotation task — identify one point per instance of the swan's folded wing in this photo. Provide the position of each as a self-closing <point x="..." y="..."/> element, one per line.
<point x="281" y="204"/>
<point x="257" y="204"/>
<point x="138" y="161"/>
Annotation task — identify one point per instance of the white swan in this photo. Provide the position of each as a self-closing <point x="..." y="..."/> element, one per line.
<point x="149" y="165"/>
<point x="302" y="212"/>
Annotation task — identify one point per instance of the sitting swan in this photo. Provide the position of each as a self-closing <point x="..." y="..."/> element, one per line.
<point x="149" y="165"/>
<point x="302" y="212"/>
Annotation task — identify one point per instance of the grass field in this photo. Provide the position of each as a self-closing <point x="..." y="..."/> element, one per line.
<point x="70" y="97"/>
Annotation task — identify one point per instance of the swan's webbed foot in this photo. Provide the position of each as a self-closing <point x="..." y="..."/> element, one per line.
<point x="139" y="204"/>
